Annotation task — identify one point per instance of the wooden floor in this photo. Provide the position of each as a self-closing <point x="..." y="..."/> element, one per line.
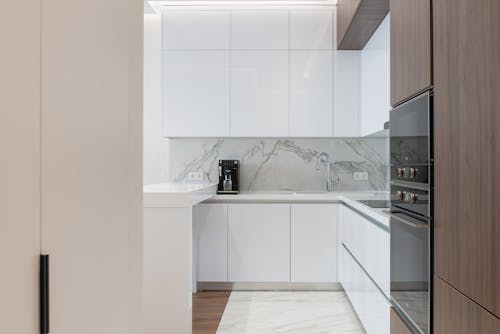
<point x="208" y="307"/>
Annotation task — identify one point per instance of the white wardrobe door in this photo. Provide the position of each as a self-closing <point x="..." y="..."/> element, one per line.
<point x="260" y="29"/>
<point x="311" y="93"/>
<point x="196" y="29"/>
<point x="311" y="29"/>
<point x="20" y="166"/>
<point x="259" y="93"/>
<point x="195" y="93"/>
<point x="89" y="143"/>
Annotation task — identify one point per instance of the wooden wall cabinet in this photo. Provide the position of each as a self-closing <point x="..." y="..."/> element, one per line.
<point x="357" y="20"/>
<point x="411" y="63"/>
<point x="467" y="149"/>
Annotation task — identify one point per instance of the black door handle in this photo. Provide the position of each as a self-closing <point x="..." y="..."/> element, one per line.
<point x="44" y="295"/>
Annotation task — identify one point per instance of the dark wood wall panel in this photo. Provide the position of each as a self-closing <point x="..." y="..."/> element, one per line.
<point x="411" y="64"/>
<point x="455" y="313"/>
<point x="397" y="324"/>
<point x="467" y="148"/>
<point x="357" y="20"/>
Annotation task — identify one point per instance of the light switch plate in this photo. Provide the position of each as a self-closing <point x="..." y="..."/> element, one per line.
<point x="195" y="176"/>
<point x="361" y="176"/>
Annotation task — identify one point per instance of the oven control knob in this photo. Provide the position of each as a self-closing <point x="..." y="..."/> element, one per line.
<point x="400" y="195"/>
<point x="412" y="198"/>
<point x="413" y="173"/>
<point x="401" y="172"/>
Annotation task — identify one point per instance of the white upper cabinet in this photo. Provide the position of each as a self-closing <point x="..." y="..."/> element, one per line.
<point x="259" y="93"/>
<point x="311" y="89"/>
<point x="346" y="94"/>
<point x="195" y="93"/>
<point x="196" y="30"/>
<point x="311" y="29"/>
<point x="260" y="29"/>
<point x="247" y="72"/>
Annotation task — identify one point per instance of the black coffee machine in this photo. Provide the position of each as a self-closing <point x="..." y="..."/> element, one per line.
<point x="229" y="176"/>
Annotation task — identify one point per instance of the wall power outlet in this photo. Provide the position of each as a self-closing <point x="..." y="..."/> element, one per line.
<point x="195" y="176"/>
<point x="361" y="176"/>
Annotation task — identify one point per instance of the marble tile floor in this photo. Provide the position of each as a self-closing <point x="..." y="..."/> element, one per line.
<point x="295" y="312"/>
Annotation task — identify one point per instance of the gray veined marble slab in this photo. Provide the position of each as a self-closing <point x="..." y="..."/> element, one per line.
<point x="284" y="163"/>
<point x="300" y="312"/>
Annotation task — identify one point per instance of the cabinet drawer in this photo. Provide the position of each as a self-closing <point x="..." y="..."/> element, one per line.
<point x="370" y="244"/>
<point x="371" y="306"/>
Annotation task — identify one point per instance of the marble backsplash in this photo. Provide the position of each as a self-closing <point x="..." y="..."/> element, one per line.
<point x="284" y="163"/>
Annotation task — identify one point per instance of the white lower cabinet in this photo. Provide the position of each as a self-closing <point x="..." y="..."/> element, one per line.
<point x="211" y="231"/>
<point x="313" y="243"/>
<point x="370" y="304"/>
<point x="259" y="242"/>
<point x="370" y="244"/>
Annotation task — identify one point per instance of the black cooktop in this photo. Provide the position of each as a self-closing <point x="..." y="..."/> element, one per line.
<point x="377" y="204"/>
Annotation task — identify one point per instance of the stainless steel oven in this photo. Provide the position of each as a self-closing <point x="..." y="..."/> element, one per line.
<point x="411" y="211"/>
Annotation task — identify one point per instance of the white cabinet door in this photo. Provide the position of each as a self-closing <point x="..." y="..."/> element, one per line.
<point x="370" y="244"/>
<point x="346" y="94"/>
<point x="196" y="29"/>
<point x="369" y="303"/>
<point x="313" y="243"/>
<point x="260" y="29"/>
<point x="259" y="93"/>
<point x="195" y="93"/>
<point x="375" y="80"/>
<point x="311" y="93"/>
<point x="211" y="231"/>
<point x="259" y="242"/>
<point x="311" y="29"/>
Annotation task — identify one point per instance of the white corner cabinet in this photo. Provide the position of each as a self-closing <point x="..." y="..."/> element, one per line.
<point x="261" y="242"/>
<point x="257" y="73"/>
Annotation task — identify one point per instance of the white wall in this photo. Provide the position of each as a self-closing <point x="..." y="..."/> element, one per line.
<point x="375" y="81"/>
<point x="156" y="151"/>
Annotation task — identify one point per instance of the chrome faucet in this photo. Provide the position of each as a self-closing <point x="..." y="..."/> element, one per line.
<point x="324" y="158"/>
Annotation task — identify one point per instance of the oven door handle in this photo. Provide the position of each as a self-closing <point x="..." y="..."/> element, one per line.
<point x="415" y="223"/>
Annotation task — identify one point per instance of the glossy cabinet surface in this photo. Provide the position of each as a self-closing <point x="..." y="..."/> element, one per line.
<point x="196" y="30"/>
<point x="371" y="306"/>
<point x="260" y="29"/>
<point x="375" y="80"/>
<point x="311" y="87"/>
<point x="211" y="232"/>
<point x="259" y="242"/>
<point x="259" y="93"/>
<point x="195" y="93"/>
<point x="370" y="244"/>
<point x="346" y="93"/>
<point x="313" y="243"/>
<point x="257" y="73"/>
<point x="311" y="29"/>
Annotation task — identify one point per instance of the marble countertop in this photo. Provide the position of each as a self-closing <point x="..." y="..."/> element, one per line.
<point x="177" y="195"/>
<point x="350" y="199"/>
